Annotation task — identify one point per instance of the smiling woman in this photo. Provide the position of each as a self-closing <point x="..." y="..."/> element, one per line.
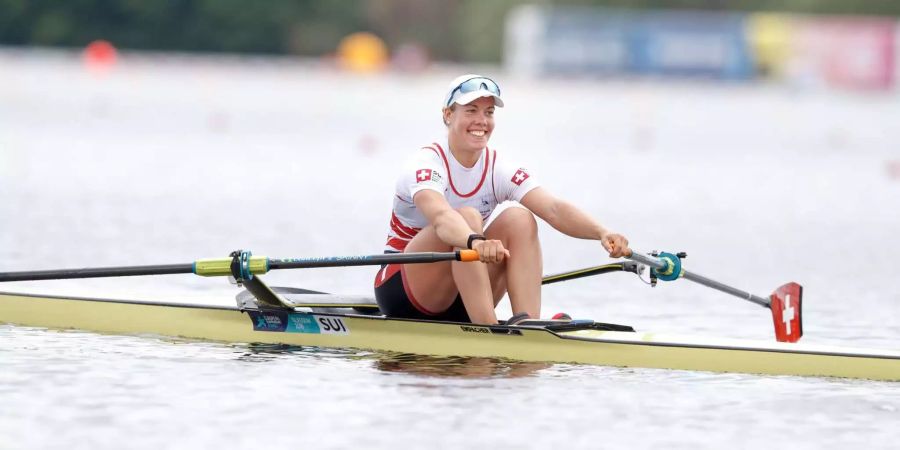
<point x="442" y="200"/>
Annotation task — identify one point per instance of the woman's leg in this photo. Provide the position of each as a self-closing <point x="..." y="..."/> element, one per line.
<point x="435" y="286"/>
<point x="521" y="273"/>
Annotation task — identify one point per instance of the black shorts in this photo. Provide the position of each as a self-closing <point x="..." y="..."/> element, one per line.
<point x="395" y="299"/>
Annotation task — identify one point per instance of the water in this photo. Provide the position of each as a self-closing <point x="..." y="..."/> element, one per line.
<point x="170" y="160"/>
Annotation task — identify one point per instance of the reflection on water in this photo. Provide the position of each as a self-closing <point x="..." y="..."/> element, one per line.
<point x="457" y="366"/>
<point x="177" y="348"/>
<point x="258" y="352"/>
<point x="409" y="363"/>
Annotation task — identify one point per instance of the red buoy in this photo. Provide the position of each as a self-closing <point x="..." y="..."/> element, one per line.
<point x="99" y="56"/>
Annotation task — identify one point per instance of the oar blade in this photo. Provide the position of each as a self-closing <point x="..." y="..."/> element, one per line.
<point x="786" y="309"/>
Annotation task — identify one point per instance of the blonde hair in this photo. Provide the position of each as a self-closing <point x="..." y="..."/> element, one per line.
<point x="452" y="108"/>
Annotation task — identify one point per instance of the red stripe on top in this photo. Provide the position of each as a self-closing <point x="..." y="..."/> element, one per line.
<point x="493" y="187"/>
<point x="403" y="231"/>
<point x="400" y="234"/>
<point x="397" y="244"/>
<point x="450" y="176"/>
<point x="432" y="149"/>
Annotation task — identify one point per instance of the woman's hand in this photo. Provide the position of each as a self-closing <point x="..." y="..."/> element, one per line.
<point x="490" y="251"/>
<point x="616" y="245"/>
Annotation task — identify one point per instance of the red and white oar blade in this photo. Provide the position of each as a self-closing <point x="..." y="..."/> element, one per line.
<point x="786" y="309"/>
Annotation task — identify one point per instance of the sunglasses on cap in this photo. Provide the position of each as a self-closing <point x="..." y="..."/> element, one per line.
<point x="472" y="85"/>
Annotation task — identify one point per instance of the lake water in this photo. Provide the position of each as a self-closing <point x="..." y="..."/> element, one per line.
<point x="170" y="159"/>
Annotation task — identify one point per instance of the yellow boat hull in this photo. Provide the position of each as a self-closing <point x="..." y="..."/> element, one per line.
<point x="585" y="346"/>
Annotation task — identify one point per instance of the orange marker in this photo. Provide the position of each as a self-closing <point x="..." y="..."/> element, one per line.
<point x="99" y="56"/>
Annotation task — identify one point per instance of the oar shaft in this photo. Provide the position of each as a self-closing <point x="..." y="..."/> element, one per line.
<point x="590" y="271"/>
<point x="726" y="288"/>
<point x="372" y="260"/>
<point x="697" y="278"/>
<point x="255" y="265"/>
<point x="97" y="272"/>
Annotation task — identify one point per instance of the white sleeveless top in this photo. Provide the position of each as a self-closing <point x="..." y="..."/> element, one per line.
<point x="484" y="186"/>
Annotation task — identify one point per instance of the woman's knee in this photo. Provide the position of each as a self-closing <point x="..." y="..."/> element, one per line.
<point x="519" y="221"/>
<point x="472" y="217"/>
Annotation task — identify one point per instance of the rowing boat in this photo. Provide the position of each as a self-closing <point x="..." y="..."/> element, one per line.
<point x="300" y="317"/>
<point x="321" y="325"/>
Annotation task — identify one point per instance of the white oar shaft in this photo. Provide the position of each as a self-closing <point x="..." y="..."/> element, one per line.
<point x="697" y="278"/>
<point x="726" y="288"/>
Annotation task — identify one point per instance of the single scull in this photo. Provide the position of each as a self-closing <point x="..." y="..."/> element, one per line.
<point x="289" y="316"/>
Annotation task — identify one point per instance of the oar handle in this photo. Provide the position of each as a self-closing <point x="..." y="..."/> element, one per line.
<point x="671" y="265"/>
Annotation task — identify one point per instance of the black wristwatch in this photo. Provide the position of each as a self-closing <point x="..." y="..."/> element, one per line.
<point x="474" y="237"/>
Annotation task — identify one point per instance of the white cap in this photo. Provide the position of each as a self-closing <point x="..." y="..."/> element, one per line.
<point x="468" y="97"/>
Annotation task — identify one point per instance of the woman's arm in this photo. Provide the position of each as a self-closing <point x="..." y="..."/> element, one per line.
<point x="452" y="229"/>
<point x="572" y="221"/>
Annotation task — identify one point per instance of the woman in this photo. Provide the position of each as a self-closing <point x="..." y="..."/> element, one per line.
<point x="442" y="199"/>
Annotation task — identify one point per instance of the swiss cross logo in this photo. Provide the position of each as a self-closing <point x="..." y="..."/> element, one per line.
<point x="423" y="175"/>
<point x="520" y="176"/>
<point x="787" y="314"/>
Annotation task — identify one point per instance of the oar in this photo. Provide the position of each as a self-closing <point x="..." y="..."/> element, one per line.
<point x="590" y="271"/>
<point x="785" y="303"/>
<point x="241" y="265"/>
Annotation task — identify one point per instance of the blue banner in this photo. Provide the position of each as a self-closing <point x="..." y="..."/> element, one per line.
<point x="601" y="41"/>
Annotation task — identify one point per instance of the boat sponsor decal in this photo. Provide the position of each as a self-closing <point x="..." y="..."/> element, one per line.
<point x="286" y="322"/>
<point x="265" y="321"/>
<point x="307" y="323"/>
<point x="490" y="330"/>
<point x="469" y="329"/>
<point x="302" y="323"/>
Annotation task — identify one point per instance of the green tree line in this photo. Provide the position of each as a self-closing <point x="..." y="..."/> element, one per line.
<point x="461" y="30"/>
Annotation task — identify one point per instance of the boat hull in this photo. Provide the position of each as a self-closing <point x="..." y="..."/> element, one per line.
<point x="586" y="346"/>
